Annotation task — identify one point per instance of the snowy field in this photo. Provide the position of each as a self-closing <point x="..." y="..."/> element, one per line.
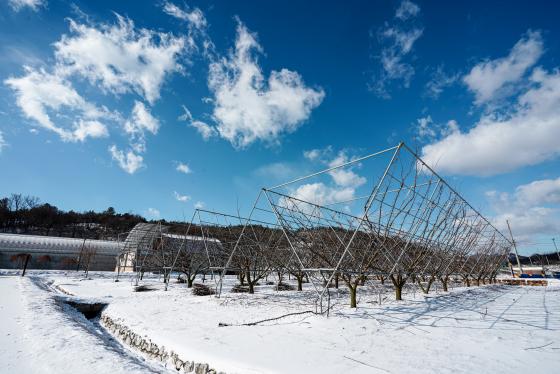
<point x="489" y="329"/>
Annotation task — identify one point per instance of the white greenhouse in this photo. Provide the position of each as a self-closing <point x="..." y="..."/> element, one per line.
<point x="48" y="252"/>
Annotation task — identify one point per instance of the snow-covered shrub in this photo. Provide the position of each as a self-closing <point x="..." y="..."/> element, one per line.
<point x="143" y="288"/>
<point x="239" y="289"/>
<point x="284" y="287"/>
<point x="202" y="290"/>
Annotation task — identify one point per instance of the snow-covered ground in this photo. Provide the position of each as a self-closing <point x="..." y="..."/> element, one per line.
<point x="39" y="334"/>
<point x="488" y="329"/>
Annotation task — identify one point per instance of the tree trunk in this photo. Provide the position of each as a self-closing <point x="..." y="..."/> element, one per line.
<point x="398" y="283"/>
<point x="242" y="279"/>
<point x="299" y="283"/>
<point x="398" y="292"/>
<point x="189" y="281"/>
<point x="444" y="283"/>
<point x="353" y="295"/>
<point x="467" y="282"/>
<point x="336" y="281"/>
<point x="251" y="287"/>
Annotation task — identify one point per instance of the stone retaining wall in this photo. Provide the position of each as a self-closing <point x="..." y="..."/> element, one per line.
<point x="151" y="349"/>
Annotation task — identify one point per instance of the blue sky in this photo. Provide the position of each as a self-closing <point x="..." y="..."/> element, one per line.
<point x="158" y="107"/>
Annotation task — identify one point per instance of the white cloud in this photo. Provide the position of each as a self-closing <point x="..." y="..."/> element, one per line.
<point x="195" y="17"/>
<point x="397" y="40"/>
<point x="406" y="10"/>
<point x="3" y="143"/>
<point x="451" y="127"/>
<point x="199" y="205"/>
<point x="34" y="5"/>
<point x="129" y="162"/>
<point x="38" y="93"/>
<point x="344" y="176"/>
<point x="492" y="79"/>
<point x="528" y="223"/>
<point x="186" y="116"/>
<point x="246" y="107"/>
<point x="153" y="213"/>
<point x="181" y="198"/>
<point x="183" y="168"/>
<point x="424" y="128"/>
<point x="501" y="143"/>
<point x="312" y="154"/>
<point x="546" y="191"/>
<point x="320" y="194"/>
<point x="439" y="81"/>
<point x="197" y="34"/>
<point x="136" y="126"/>
<point x="119" y="57"/>
<point x="339" y="190"/>
<point x="428" y="131"/>
<point x="204" y="129"/>
<point x="531" y="210"/>
<point x="92" y="129"/>
<point x="319" y="154"/>
<point x="140" y="121"/>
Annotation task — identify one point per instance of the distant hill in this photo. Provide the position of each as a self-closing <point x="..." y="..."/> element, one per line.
<point x="536" y="259"/>
<point x="25" y="215"/>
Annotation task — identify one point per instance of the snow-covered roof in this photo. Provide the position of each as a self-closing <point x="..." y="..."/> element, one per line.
<point x="143" y="234"/>
<point x="52" y="244"/>
<point x="189" y="237"/>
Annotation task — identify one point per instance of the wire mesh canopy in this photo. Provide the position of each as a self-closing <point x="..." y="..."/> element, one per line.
<point x="387" y="214"/>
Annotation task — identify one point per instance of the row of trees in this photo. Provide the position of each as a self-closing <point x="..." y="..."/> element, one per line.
<point x="25" y="214"/>
<point x="256" y="251"/>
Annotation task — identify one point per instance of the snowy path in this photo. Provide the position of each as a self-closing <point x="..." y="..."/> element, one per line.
<point x="14" y="355"/>
<point x="38" y="335"/>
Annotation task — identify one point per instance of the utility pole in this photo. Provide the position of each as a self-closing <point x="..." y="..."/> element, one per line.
<point x="515" y="249"/>
<point x="557" y="253"/>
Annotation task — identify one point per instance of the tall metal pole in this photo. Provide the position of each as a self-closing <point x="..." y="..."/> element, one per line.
<point x="80" y="255"/>
<point x="558" y="253"/>
<point x="515" y="249"/>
